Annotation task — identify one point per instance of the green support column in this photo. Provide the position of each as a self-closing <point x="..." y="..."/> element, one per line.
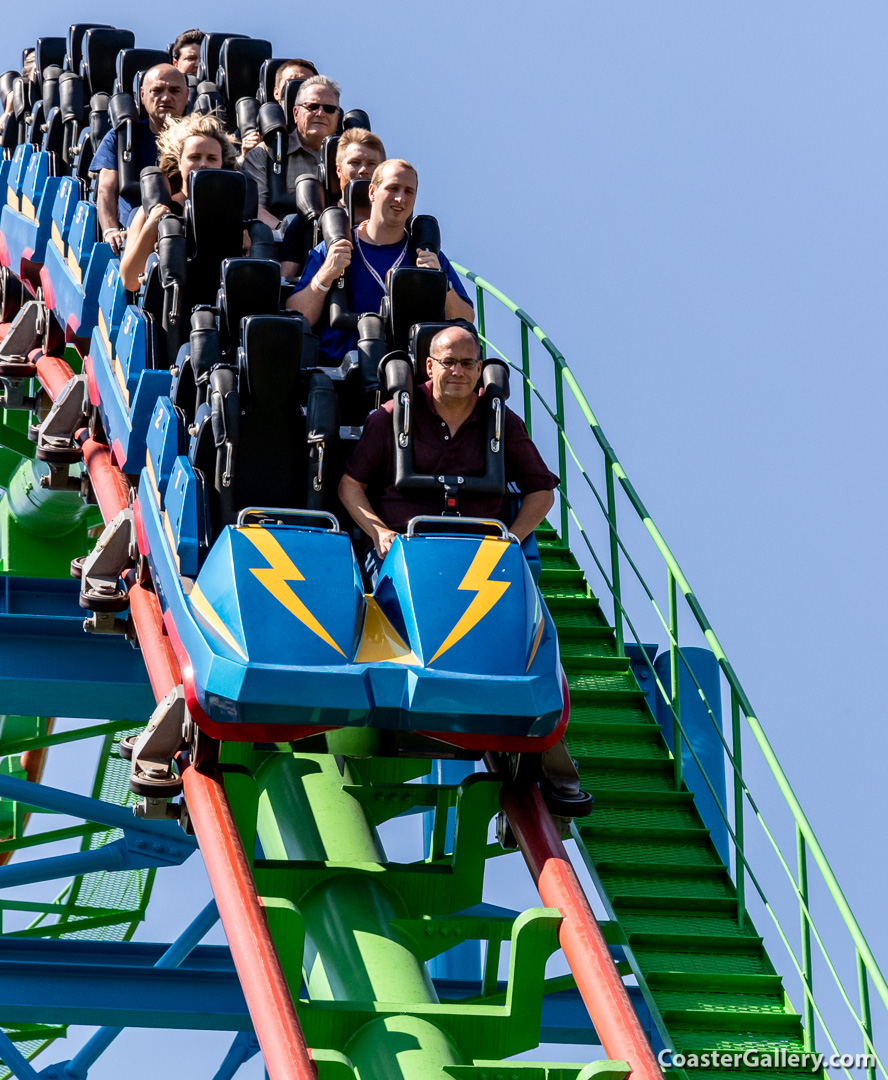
<point x="41" y="530"/>
<point x="351" y="951"/>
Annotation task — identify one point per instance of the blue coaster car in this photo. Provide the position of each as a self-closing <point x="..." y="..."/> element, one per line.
<point x="277" y="640"/>
<point x="74" y="267"/>
<point x="266" y="611"/>
<point x="26" y="219"/>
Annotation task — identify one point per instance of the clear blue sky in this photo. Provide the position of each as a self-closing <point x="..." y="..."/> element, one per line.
<point x="690" y="198"/>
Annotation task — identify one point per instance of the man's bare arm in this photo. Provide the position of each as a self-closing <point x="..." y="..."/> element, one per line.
<point x="310" y="300"/>
<point x="457" y="308"/>
<point x="353" y="495"/>
<point x="106" y="206"/>
<point x="534" y="507"/>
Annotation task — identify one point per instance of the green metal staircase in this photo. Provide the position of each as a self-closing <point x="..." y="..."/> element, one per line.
<point x="685" y="919"/>
<point x="699" y="958"/>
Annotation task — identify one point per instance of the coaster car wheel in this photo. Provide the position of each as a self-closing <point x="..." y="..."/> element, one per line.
<point x="117" y="601"/>
<point x="568" y="806"/>
<point x="59" y="455"/>
<point x="125" y="747"/>
<point x="163" y="785"/>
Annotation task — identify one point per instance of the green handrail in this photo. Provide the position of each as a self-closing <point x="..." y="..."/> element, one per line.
<point x="806" y="839"/>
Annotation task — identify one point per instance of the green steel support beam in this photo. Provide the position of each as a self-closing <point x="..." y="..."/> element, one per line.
<point x="352" y="951"/>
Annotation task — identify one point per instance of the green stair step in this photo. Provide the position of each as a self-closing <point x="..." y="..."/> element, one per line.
<point x="645" y="777"/>
<point x="567" y="598"/>
<point x="597" y="654"/>
<point x="587" y="718"/>
<point x="631" y="853"/>
<point x="713" y="963"/>
<point x="689" y="1007"/>
<point x="672" y="815"/>
<point x="664" y="883"/>
<point x="563" y="576"/>
<point x="587" y="621"/>
<point x="620" y="683"/>
<point x="634" y="745"/>
<point x="687" y="923"/>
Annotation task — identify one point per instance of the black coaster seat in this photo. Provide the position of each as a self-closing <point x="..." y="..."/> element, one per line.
<point x="101" y="44"/>
<point x="130" y="62"/>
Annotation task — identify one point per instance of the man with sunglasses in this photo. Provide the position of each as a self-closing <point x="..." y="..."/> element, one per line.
<point x="449" y="438"/>
<point x="316" y="112"/>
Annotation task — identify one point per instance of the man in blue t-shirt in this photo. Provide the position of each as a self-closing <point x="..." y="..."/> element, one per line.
<point x="164" y="94"/>
<point x="380" y="244"/>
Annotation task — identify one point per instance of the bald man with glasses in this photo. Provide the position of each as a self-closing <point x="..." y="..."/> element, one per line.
<point x="449" y="438"/>
<point x="316" y="112"/>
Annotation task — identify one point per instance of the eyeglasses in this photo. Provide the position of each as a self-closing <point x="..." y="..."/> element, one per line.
<point x="316" y="106"/>
<point x="467" y="365"/>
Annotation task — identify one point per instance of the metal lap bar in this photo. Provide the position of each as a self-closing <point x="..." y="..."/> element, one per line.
<point x="267" y="513"/>
<point x="457" y="524"/>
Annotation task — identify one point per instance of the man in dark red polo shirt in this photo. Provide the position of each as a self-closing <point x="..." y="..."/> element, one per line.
<point x="449" y="433"/>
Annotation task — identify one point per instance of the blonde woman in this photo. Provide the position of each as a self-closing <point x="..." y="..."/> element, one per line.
<point x="183" y="146"/>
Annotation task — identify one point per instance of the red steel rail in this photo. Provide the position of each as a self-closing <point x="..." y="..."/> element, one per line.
<point x="579" y="935"/>
<point x="262" y="980"/>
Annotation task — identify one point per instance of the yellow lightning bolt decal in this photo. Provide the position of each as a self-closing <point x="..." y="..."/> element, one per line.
<point x="276" y="576"/>
<point x="489" y="553"/>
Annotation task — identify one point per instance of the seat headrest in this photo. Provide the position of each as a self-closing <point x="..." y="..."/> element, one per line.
<point x="356" y="118"/>
<point x="328" y="166"/>
<point x="210" y="47"/>
<point x="239" y="63"/>
<point x="418" y="344"/>
<point x="267" y="74"/>
<point x="130" y="62"/>
<point x="357" y="200"/>
<point x="415" y="295"/>
<point x="215" y="227"/>
<point x="100" y="48"/>
<point x="50" y="52"/>
<point x="75" y="43"/>
<point x="273" y="353"/>
<point x="6" y="81"/>
<point x="249" y="287"/>
<point x="288" y="100"/>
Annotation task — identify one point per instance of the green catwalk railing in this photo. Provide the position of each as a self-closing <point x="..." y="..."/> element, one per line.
<point x="626" y="541"/>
